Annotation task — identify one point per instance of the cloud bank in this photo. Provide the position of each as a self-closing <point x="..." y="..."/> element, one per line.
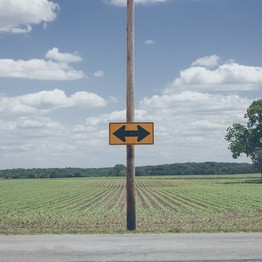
<point x="54" y="67"/>
<point x="205" y="74"/>
<point x="190" y="120"/>
<point x="47" y="101"/>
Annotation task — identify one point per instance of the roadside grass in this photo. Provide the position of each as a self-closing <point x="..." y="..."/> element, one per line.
<point x="221" y="203"/>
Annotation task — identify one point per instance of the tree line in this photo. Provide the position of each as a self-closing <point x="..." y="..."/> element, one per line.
<point x="205" y="168"/>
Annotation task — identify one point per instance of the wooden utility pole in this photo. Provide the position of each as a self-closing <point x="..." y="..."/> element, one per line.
<point x="130" y="133"/>
<point x="130" y="117"/>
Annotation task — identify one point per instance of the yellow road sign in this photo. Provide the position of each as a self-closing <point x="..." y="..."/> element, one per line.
<point x="137" y="133"/>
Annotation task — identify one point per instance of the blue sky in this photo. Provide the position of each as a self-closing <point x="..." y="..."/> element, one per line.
<point x="62" y="78"/>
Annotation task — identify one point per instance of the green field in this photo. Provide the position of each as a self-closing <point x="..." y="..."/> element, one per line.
<point x="164" y="204"/>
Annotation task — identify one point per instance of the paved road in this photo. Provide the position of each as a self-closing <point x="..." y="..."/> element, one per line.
<point x="133" y="247"/>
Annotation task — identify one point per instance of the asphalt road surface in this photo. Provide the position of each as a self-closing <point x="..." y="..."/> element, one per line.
<point x="132" y="247"/>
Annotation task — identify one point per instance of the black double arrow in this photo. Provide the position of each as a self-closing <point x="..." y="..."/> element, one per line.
<point x="140" y="133"/>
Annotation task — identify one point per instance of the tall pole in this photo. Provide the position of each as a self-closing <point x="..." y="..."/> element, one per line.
<point x="130" y="117"/>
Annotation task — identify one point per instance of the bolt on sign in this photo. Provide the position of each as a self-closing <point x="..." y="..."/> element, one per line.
<point x="135" y="133"/>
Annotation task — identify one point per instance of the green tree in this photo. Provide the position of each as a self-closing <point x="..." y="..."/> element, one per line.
<point x="119" y="170"/>
<point x="248" y="139"/>
<point x="258" y="160"/>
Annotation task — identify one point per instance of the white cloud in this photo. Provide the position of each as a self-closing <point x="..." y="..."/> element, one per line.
<point x="195" y="102"/>
<point x="43" y="69"/>
<point x="46" y="101"/>
<point x="191" y="126"/>
<point x="17" y="16"/>
<point x="99" y="73"/>
<point x="29" y="138"/>
<point x="34" y="122"/>
<point x="115" y="116"/>
<point x="123" y="2"/>
<point x="87" y="99"/>
<point x="54" y="54"/>
<point x="226" y="77"/>
<point x="149" y="42"/>
<point x="21" y="29"/>
<point x="207" y="61"/>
